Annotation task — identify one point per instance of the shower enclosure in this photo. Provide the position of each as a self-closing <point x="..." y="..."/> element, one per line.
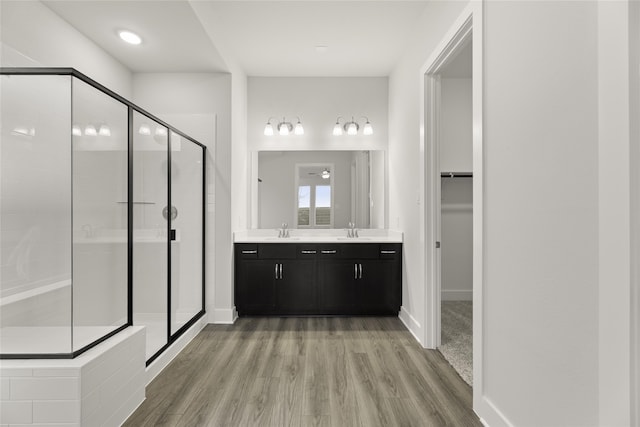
<point x="101" y="218"/>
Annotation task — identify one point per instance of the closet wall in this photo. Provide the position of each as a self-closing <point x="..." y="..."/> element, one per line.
<point x="456" y="192"/>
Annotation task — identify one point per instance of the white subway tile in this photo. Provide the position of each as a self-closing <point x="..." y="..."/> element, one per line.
<point x="56" y="372"/>
<point x="15" y="412"/>
<point x="121" y="414"/>
<point x="43" y="388"/>
<point x="56" y="411"/>
<point x="90" y="405"/>
<point x="129" y="373"/>
<point x="111" y="363"/>
<point x="51" y="425"/>
<point x="15" y="372"/>
<point x="5" y="388"/>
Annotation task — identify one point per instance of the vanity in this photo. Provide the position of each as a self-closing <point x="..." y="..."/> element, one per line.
<point x="318" y="274"/>
<point x="318" y="267"/>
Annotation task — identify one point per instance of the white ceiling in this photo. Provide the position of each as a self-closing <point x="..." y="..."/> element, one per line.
<point x="173" y="39"/>
<point x="265" y="38"/>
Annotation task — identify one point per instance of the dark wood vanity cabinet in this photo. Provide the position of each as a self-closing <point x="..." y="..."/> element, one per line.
<point x="271" y="280"/>
<point x="318" y="279"/>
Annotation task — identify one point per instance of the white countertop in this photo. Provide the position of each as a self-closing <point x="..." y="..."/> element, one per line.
<point x="317" y="236"/>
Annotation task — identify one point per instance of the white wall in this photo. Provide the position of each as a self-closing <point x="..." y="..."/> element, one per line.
<point x="634" y="111"/>
<point x="457" y="239"/>
<point x="456" y="193"/>
<point x="541" y="212"/>
<point x="318" y="101"/>
<point x="34" y="36"/>
<point x="405" y="151"/>
<point x="553" y="133"/>
<point x="239" y="194"/>
<point x="455" y="122"/>
<point x="614" y="151"/>
<point x="199" y="105"/>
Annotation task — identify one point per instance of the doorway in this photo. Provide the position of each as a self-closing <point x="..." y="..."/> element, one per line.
<point x="453" y="191"/>
<point x="454" y="216"/>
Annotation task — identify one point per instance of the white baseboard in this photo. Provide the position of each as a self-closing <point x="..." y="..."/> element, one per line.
<point x="489" y="414"/>
<point x="457" y="295"/>
<point x="411" y="323"/>
<point x="223" y="316"/>
<point x="170" y="353"/>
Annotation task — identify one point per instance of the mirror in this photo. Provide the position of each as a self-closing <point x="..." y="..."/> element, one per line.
<point x="318" y="189"/>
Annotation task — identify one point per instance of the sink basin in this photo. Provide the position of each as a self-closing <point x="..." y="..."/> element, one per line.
<point x="355" y="239"/>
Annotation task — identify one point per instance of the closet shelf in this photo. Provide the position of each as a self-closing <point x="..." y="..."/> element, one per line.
<point x="456" y="174"/>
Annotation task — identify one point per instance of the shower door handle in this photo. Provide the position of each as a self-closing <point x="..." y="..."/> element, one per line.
<point x="172" y="235"/>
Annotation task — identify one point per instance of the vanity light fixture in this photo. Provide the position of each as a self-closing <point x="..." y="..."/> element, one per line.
<point x="325" y="174"/>
<point x="352" y="127"/>
<point x="284" y="127"/>
<point x="76" y="131"/>
<point x="130" y="37"/>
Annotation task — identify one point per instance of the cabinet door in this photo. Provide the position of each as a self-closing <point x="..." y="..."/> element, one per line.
<point x="377" y="288"/>
<point x="337" y="289"/>
<point x="255" y="287"/>
<point x="296" y="287"/>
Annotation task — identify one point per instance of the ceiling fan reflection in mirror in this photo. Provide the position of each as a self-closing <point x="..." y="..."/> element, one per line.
<point x="325" y="174"/>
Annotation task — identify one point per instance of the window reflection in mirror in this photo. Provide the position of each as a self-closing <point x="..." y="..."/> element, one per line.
<point x="314" y="202"/>
<point x="291" y="189"/>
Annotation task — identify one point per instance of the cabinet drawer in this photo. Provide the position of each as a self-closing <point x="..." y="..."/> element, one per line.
<point x="247" y="250"/>
<point x="307" y="251"/>
<point x="360" y="250"/>
<point x="329" y="250"/>
<point x="390" y="251"/>
<point x="277" y="251"/>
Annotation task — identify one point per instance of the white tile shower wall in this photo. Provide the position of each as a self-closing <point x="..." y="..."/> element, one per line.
<point x="35" y="219"/>
<point x="99" y="388"/>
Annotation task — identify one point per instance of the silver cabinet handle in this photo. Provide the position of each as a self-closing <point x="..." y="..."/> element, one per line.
<point x="250" y="252"/>
<point x="276" y="271"/>
<point x="355" y="271"/>
<point x="360" y="271"/>
<point x="329" y="252"/>
<point x="308" y="252"/>
<point x="281" y="270"/>
<point x="387" y="252"/>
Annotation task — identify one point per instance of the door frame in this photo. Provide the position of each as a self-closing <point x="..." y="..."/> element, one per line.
<point x="468" y="27"/>
<point x="634" y="70"/>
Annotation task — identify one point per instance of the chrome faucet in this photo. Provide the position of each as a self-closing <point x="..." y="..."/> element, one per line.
<point x="352" y="231"/>
<point x="284" y="231"/>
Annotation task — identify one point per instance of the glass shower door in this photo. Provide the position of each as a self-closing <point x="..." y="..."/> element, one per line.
<point x="187" y="175"/>
<point x="150" y="231"/>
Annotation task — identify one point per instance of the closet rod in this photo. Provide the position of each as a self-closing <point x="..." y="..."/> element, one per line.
<point x="456" y="175"/>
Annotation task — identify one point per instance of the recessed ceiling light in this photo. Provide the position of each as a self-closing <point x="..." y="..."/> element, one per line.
<point x="130" y="37"/>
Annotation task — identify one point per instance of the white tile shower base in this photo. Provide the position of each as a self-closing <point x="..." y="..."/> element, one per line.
<point x="49" y="339"/>
<point x="101" y="387"/>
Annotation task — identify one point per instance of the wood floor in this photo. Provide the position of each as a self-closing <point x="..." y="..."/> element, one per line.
<point x="366" y="371"/>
